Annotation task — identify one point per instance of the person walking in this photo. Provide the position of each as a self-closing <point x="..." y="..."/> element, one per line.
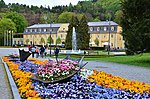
<point x="37" y="52"/>
<point x="33" y="51"/>
<point x="56" y="52"/>
<point x="42" y="50"/>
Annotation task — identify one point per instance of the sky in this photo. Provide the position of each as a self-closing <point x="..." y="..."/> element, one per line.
<point x="44" y="3"/>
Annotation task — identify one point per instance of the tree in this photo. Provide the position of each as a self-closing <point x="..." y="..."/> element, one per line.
<point x="18" y="19"/>
<point x="118" y="16"/>
<point x="83" y="37"/>
<point x="42" y="40"/>
<point x="50" y="40"/>
<point x="27" y="41"/>
<point x="73" y="23"/>
<point x="5" y="26"/>
<point x="96" y="41"/>
<point x="58" y="40"/>
<point x="65" y="17"/>
<point x="135" y="23"/>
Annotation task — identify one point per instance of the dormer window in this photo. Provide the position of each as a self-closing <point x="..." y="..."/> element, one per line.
<point x="45" y="30"/>
<point x="39" y="30"/>
<point x="98" y="29"/>
<point x="91" y="28"/>
<point x="105" y="28"/>
<point x="51" y="29"/>
<point x="112" y="28"/>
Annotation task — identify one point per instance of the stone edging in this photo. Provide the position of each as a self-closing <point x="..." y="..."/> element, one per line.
<point x="13" y="86"/>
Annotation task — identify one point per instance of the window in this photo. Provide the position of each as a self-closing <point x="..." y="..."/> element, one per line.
<point x="112" y="36"/>
<point x="97" y="36"/>
<point x="104" y="36"/>
<point x="45" y="30"/>
<point x="39" y="30"/>
<point x="112" y="28"/>
<point x="91" y="28"/>
<point x="32" y="30"/>
<point x="14" y="42"/>
<point x="61" y="36"/>
<point x="90" y="35"/>
<point x="111" y="44"/>
<point x="105" y="28"/>
<point x="50" y="29"/>
<point x="26" y="30"/>
<point x="98" y="29"/>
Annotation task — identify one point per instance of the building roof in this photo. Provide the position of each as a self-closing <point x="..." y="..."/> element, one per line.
<point x="44" y="25"/>
<point x="102" y="23"/>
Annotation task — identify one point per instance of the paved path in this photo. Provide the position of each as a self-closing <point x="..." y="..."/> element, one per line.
<point x="5" y="90"/>
<point x="130" y="72"/>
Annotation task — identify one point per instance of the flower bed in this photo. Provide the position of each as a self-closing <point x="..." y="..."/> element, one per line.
<point x="98" y="85"/>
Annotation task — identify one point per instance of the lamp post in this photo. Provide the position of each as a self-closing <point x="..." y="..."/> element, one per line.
<point x="109" y="28"/>
<point x="109" y="39"/>
<point x="50" y="36"/>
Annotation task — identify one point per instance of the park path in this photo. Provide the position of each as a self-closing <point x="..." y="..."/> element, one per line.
<point x="141" y="74"/>
<point x="5" y="90"/>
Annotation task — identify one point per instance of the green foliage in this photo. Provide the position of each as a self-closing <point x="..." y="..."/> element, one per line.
<point x="50" y="40"/>
<point x="93" y="9"/>
<point x="42" y="40"/>
<point x="5" y="26"/>
<point x="83" y="37"/>
<point x="18" y="19"/>
<point x="135" y="23"/>
<point x="96" y="41"/>
<point x="58" y="40"/>
<point x="118" y="16"/>
<point x="68" y="41"/>
<point x="27" y="41"/>
<point x="65" y="17"/>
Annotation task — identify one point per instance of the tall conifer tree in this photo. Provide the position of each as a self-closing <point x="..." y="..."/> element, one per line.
<point x="136" y="25"/>
<point x="73" y="23"/>
<point x="83" y="37"/>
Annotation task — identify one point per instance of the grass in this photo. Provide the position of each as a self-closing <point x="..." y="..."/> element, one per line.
<point x="142" y="60"/>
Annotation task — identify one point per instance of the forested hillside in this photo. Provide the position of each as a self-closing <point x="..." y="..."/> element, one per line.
<point x="95" y="10"/>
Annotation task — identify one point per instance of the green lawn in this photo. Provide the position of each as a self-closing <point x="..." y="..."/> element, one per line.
<point x="138" y="60"/>
<point x="142" y="60"/>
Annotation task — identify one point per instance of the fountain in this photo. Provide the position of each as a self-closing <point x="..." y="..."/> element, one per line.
<point x="74" y="40"/>
<point x="74" y="45"/>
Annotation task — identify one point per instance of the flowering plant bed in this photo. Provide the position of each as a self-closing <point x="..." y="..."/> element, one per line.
<point x="54" y="72"/>
<point x="101" y="85"/>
